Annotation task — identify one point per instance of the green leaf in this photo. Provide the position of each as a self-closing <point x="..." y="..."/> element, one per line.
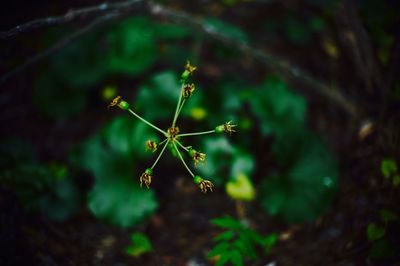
<point x="224" y="258"/>
<point x="305" y="189"/>
<point x="375" y="232"/>
<point x="225" y="236"/>
<point x="396" y="180"/>
<point x="270" y="241"/>
<point x="120" y="201"/>
<point x="381" y="249"/>
<point x="140" y="244"/>
<point x="171" y="31"/>
<point x="388" y="216"/>
<point x="115" y="197"/>
<point x="388" y="167"/>
<point x="227" y="222"/>
<point x="132" y="47"/>
<point x="219" y="249"/>
<point x="127" y="135"/>
<point x="278" y="109"/>
<point x="157" y="98"/>
<point x="236" y="258"/>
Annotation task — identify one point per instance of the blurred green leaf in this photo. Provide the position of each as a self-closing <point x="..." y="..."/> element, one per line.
<point x="132" y="47"/>
<point x="157" y="99"/>
<point x="236" y="258"/>
<point x="381" y="249"/>
<point x="270" y="241"/>
<point x="223" y="158"/>
<point x="140" y="244"/>
<point x="120" y="201"/>
<point x="388" y="216"/>
<point x="388" y="167"/>
<point x="278" y="109"/>
<point x="218" y="249"/>
<point x="110" y="156"/>
<point x="227" y="222"/>
<point x="304" y="190"/>
<point x="47" y="188"/>
<point x="375" y="232"/>
<point x="225" y="236"/>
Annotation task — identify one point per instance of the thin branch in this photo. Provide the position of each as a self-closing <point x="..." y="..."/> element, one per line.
<point x="69" y="16"/>
<point x="196" y="133"/>
<point x="161" y="153"/>
<point x="57" y="46"/>
<point x="183" y="161"/>
<point x="183" y="147"/>
<point x="273" y="62"/>
<point x="178" y="105"/>
<point x="148" y="123"/>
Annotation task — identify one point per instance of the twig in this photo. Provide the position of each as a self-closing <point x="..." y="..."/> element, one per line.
<point x="57" y="46"/>
<point x="68" y="17"/>
<point x="273" y="62"/>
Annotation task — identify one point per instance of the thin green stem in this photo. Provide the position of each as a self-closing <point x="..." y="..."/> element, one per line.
<point x="180" y="108"/>
<point x="161" y="153"/>
<point x="148" y="123"/>
<point x="196" y="133"/>
<point x="177" y="106"/>
<point x="163" y="141"/>
<point x="183" y="147"/>
<point x="183" y="161"/>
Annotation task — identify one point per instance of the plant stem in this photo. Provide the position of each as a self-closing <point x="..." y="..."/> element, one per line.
<point x="163" y="141"/>
<point x="183" y="161"/>
<point x="196" y="133"/>
<point x="148" y="123"/>
<point x="177" y="110"/>
<point x="183" y="147"/>
<point x="180" y="108"/>
<point x="161" y="153"/>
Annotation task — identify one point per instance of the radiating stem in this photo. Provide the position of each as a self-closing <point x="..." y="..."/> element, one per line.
<point x="178" y="106"/>
<point x="163" y="141"/>
<point x="196" y="133"/>
<point x="159" y="156"/>
<point x="183" y="161"/>
<point x="183" y="147"/>
<point x="148" y="123"/>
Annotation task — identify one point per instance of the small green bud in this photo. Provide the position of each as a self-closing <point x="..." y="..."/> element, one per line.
<point x="123" y="105"/>
<point x="185" y="75"/>
<point x="197" y="179"/>
<point x="149" y="171"/>
<point x="220" y="129"/>
<point x="192" y="152"/>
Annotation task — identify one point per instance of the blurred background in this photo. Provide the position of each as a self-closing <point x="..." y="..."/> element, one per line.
<point x="311" y="177"/>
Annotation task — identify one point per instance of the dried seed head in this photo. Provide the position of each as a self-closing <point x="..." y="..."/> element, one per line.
<point x="197" y="156"/>
<point x="151" y="146"/>
<point x="146" y="177"/>
<point x="228" y="127"/>
<point x="189" y="70"/>
<point x="172" y="132"/>
<point x="188" y="90"/>
<point x="203" y="184"/>
<point x="120" y="102"/>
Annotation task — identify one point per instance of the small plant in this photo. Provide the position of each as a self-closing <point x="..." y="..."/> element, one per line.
<point x="378" y="235"/>
<point x="238" y="242"/>
<point x="140" y="244"/>
<point x="389" y="170"/>
<point x="172" y="134"/>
